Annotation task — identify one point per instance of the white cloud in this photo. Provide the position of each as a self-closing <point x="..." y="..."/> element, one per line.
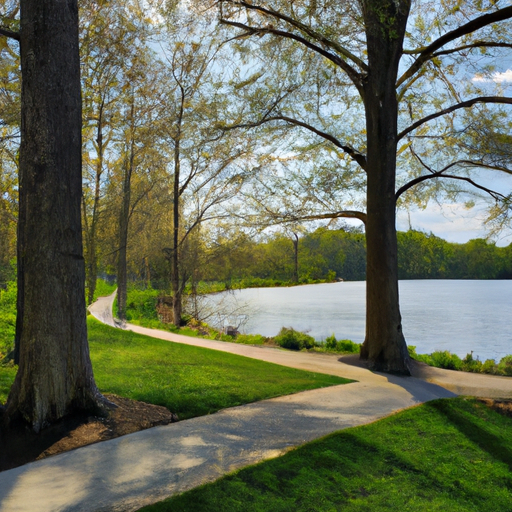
<point x="505" y="77"/>
<point x="453" y="222"/>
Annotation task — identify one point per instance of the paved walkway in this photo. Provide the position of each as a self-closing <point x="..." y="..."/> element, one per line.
<point x="131" y="471"/>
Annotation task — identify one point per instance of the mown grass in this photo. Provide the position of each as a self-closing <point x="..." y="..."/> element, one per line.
<point x="451" y="455"/>
<point x="189" y="381"/>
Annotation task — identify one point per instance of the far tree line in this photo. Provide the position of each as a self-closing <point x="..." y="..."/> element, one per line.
<point x="325" y="254"/>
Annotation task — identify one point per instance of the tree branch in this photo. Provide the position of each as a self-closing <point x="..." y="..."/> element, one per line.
<point x="344" y="214"/>
<point x="355" y="155"/>
<point x="354" y="76"/>
<point x="473" y="25"/>
<point x="441" y="174"/>
<point x="303" y="28"/>
<point x="9" y="33"/>
<point x="465" y="104"/>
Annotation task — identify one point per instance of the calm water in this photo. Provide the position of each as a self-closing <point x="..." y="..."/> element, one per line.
<point x="459" y="316"/>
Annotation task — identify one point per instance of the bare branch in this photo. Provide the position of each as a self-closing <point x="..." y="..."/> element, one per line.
<point x="9" y="33"/>
<point x="477" y="44"/>
<point x="429" y="52"/>
<point x="354" y="154"/>
<point x="344" y="214"/>
<point x="465" y="104"/>
<point x="441" y="174"/>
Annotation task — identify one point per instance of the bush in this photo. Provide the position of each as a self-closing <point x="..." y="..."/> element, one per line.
<point x="331" y="343"/>
<point x="446" y="360"/>
<point x="439" y="359"/>
<point x="142" y="304"/>
<point x="489" y="366"/>
<point x="469" y="364"/>
<point x="294" y="340"/>
<point x="251" y="339"/>
<point x="505" y="366"/>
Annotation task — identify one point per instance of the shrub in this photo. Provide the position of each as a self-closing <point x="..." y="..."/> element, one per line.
<point x="505" y="366"/>
<point x="142" y="304"/>
<point x="294" y="340"/>
<point x="446" y="360"/>
<point x="469" y="364"/>
<point x="348" y="346"/>
<point x="251" y="339"/>
<point x="331" y="343"/>
<point x="489" y="366"/>
<point x="412" y="351"/>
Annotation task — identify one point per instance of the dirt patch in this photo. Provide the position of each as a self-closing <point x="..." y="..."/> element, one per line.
<point x="20" y="445"/>
<point x="502" y="406"/>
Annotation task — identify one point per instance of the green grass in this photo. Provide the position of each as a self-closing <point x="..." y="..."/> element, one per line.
<point x="104" y="289"/>
<point x="446" y="455"/>
<point x="7" y="374"/>
<point x="189" y="381"/>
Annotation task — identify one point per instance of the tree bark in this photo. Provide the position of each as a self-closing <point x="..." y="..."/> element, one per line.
<point x="384" y="346"/>
<point x="55" y="375"/>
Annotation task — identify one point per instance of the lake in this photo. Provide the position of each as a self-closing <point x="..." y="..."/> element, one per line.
<point x="459" y="316"/>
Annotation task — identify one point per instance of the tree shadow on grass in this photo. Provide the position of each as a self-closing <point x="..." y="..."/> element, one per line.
<point x="467" y="426"/>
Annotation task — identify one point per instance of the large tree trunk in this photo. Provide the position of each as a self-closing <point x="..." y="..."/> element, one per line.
<point x="384" y="346"/>
<point x="55" y="375"/>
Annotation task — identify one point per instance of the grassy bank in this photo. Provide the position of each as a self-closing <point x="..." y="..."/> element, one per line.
<point x="189" y="381"/>
<point x="444" y="455"/>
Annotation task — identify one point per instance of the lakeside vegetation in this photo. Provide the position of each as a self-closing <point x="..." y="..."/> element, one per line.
<point x="142" y="310"/>
<point x="452" y="454"/>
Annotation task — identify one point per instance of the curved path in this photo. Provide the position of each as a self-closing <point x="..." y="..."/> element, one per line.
<point x="138" y="469"/>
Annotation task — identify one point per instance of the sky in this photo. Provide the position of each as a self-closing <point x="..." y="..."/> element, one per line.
<point x="452" y="222"/>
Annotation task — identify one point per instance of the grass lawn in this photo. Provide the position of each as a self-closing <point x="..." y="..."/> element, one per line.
<point x="189" y="381"/>
<point x="446" y="455"/>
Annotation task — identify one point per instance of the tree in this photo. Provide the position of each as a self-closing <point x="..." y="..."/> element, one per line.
<point x="363" y="41"/>
<point x="55" y="374"/>
<point x="107" y="44"/>
<point x="140" y="163"/>
<point x="205" y="171"/>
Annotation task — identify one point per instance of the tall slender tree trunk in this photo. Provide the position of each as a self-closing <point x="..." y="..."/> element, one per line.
<point x="384" y="346"/>
<point x="91" y="253"/>
<point x="175" y="255"/>
<point x="124" y="222"/>
<point x="295" y="241"/>
<point x="176" y="282"/>
<point x="55" y="374"/>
